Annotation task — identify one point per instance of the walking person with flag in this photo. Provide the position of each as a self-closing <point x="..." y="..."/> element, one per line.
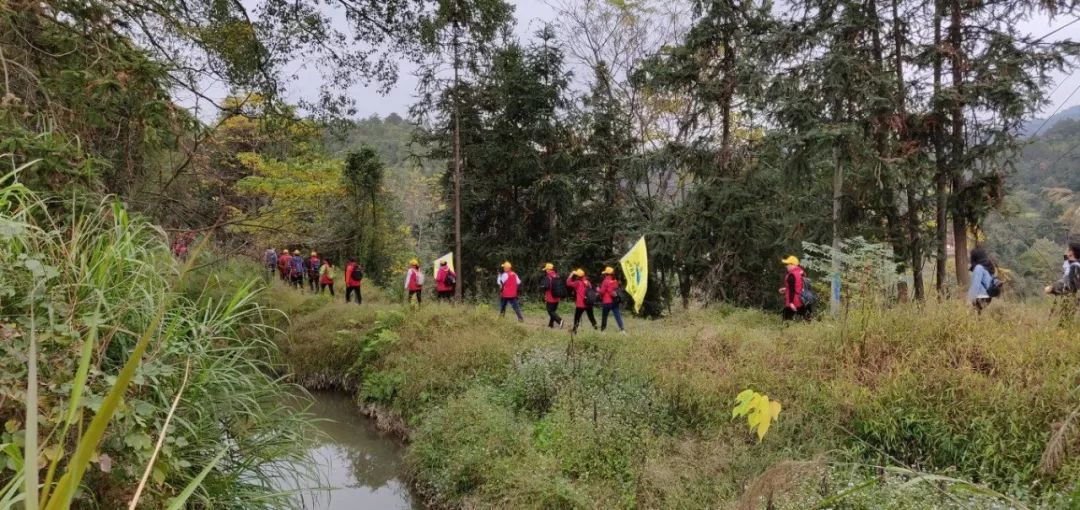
<point x="445" y="279"/>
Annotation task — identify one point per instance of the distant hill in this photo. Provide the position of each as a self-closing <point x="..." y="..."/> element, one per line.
<point x="1031" y="126"/>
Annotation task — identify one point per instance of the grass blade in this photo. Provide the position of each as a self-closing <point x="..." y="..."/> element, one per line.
<point x="179" y="501"/>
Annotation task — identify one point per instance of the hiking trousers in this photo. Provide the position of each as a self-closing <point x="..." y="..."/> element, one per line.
<point x="418" y="293"/>
<point x="613" y="309"/>
<point x="513" y="302"/>
<point x="577" y="317"/>
<point x="444" y="295"/>
<point x="325" y="286"/>
<point x="553" y="315"/>
<point x="353" y="289"/>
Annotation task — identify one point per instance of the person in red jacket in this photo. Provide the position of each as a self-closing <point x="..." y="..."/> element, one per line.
<point x="609" y="299"/>
<point x="354" y="276"/>
<point x="414" y="282"/>
<point x="581" y="285"/>
<point x="444" y="290"/>
<point x="793" y="290"/>
<point x="508" y="291"/>
<point x="551" y="281"/>
<point x="283" y="264"/>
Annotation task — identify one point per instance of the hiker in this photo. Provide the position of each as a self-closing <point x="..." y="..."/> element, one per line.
<point x="270" y="260"/>
<point x="296" y="270"/>
<point x="983" y="284"/>
<point x="582" y="305"/>
<point x="445" y="279"/>
<point x="509" y="282"/>
<point x="313" y="264"/>
<point x="794" y="286"/>
<point x="554" y="291"/>
<point x="414" y="282"/>
<point x="326" y="277"/>
<point x="610" y="299"/>
<point x="354" y="276"/>
<point x="1070" y="273"/>
<point x="283" y="264"/>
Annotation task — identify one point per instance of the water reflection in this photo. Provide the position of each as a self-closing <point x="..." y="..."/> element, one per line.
<point x="361" y="464"/>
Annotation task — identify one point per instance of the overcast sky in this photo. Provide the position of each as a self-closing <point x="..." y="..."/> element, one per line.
<point x="532" y="14"/>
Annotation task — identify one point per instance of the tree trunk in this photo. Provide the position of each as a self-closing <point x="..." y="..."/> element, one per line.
<point x="956" y="41"/>
<point x="941" y="172"/>
<point x="914" y="243"/>
<point x="838" y="182"/>
<point x="458" y="262"/>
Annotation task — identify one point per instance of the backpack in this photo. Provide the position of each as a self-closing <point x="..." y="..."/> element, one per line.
<point x="1073" y="283"/>
<point x="592" y="297"/>
<point x="994" y="290"/>
<point x="558" y="287"/>
<point x="357" y="273"/>
<point x="419" y="277"/>
<point x="617" y="297"/>
<point x="807" y="296"/>
<point x="449" y="280"/>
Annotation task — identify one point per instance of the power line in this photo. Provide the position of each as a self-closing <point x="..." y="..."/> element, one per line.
<point x="1060" y="106"/>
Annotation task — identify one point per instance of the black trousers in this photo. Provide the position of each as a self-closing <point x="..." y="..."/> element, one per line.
<point x="587" y="311"/>
<point x="324" y="286"/>
<point x="444" y="295"/>
<point x="350" y="290"/>
<point x="553" y="315"/>
<point x="418" y="294"/>
<point x="313" y="282"/>
<point x="803" y="313"/>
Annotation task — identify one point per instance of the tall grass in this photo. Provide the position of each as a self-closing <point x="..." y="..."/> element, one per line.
<point x="907" y="407"/>
<point x="96" y="341"/>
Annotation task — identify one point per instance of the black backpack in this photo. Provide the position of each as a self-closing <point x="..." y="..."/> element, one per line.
<point x="807" y="296"/>
<point x="357" y="273"/>
<point x="592" y="297"/>
<point x="449" y="280"/>
<point x="557" y="286"/>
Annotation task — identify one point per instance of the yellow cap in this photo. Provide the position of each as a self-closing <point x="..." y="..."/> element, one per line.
<point x="609" y="270"/>
<point x="549" y="266"/>
<point x="414" y="262"/>
<point x="296" y="252"/>
<point x="442" y="262"/>
<point x="791" y="260"/>
<point x="285" y="251"/>
<point x="579" y="273"/>
<point x="313" y="254"/>
<point x="506" y="265"/>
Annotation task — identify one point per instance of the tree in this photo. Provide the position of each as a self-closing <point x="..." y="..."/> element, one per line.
<point x="459" y="34"/>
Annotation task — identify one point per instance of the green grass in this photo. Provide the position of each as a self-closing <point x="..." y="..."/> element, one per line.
<point x="511" y="415"/>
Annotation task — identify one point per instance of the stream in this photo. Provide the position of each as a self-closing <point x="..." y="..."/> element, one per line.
<point x="362" y="465"/>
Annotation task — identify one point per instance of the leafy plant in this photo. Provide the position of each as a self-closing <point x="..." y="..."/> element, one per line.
<point x="759" y="411"/>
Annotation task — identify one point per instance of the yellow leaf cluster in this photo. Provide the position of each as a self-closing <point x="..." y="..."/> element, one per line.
<point x="759" y="411"/>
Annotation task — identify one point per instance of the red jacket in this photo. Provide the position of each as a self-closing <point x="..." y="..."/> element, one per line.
<point x="579" y="286"/>
<point x="283" y="263"/>
<point x="440" y="277"/>
<point x="349" y="282"/>
<point x="608" y="288"/>
<point x="510" y="286"/>
<point x="793" y="287"/>
<point x="548" y="296"/>
<point x="414" y="280"/>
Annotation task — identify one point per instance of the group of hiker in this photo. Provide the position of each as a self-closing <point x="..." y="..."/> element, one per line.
<point x="985" y="285"/>
<point x="317" y="274"/>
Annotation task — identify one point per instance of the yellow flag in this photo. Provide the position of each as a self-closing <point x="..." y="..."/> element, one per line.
<point x="449" y="258"/>
<point x="635" y="266"/>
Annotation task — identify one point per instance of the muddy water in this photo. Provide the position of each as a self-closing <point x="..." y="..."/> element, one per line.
<point x="362" y="465"/>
